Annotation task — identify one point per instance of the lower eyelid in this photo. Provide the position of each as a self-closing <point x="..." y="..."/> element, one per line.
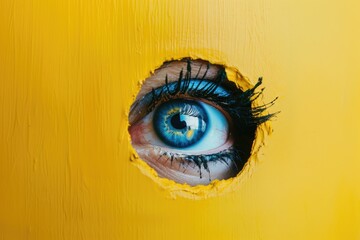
<point x="223" y="147"/>
<point x="182" y="170"/>
<point x="159" y="159"/>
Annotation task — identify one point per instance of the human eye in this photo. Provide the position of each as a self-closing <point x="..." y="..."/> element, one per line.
<point x="192" y="125"/>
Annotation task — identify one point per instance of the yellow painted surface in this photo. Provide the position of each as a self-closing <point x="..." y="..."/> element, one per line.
<point x="69" y="71"/>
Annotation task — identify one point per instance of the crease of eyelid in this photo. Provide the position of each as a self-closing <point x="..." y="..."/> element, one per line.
<point x="171" y="70"/>
<point x="140" y="107"/>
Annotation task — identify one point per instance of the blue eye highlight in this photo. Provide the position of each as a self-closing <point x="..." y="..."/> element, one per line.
<point x="180" y="123"/>
<point x="188" y="125"/>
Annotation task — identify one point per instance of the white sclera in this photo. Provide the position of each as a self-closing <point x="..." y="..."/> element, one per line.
<point x="216" y="133"/>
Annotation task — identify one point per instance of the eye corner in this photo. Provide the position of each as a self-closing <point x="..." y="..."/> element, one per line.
<point x="236" y="82"/>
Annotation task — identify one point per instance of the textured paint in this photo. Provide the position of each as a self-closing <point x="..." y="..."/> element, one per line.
<point x="69" y="71"/>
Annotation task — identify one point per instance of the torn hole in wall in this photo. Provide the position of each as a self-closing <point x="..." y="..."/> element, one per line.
<point x="194" y="129"/>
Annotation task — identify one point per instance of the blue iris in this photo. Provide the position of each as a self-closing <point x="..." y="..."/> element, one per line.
<point x="180" y="123"/>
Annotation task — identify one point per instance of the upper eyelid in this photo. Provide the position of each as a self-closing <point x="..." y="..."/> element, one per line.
<point x="140" y="107"/>
<point x="172" y="71"/>
<point x="239" y="103"/>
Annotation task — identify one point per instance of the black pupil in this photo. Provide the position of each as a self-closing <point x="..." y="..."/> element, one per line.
<point x="177" y="123"/>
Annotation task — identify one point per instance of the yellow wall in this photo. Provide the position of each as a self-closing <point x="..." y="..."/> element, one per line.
<point x="69" y="71"/>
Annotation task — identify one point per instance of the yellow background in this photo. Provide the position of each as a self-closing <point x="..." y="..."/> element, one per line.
<point x="69" y="71"/>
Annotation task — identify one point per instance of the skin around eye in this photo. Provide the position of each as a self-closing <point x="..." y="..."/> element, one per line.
<point x="181" y="170"/>
<point x="192" y="125"/>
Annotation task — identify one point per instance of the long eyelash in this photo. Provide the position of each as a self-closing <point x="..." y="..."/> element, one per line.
<point x="228" y="156"/>
<point x="237" y="103"/>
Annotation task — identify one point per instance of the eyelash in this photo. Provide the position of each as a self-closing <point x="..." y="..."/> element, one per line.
<point x="201" y="161"/>
<point x="237" y="103"/>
